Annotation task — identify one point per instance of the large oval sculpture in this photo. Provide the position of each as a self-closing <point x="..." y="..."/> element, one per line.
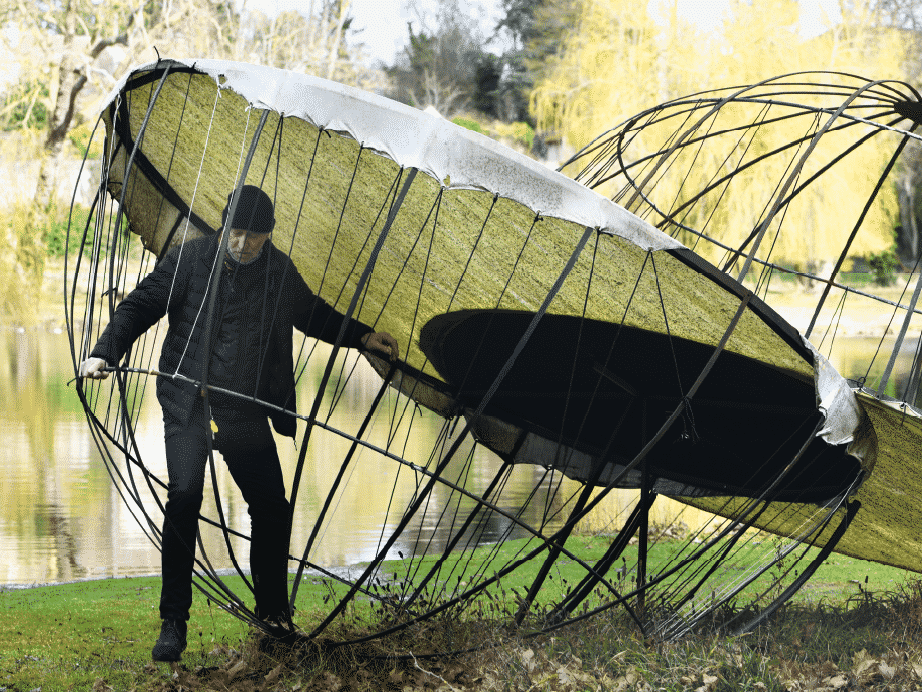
<point x="541" y="321"/>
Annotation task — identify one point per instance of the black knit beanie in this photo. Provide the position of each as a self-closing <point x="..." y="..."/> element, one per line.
<point x="254" y="211"/>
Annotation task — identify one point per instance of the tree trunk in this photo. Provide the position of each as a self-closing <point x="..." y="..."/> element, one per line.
<point x="334" y="50"/>
<point x="908" y="240"/>
<point x="71" y="79"/>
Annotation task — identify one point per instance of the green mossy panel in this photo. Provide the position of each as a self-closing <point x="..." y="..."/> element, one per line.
<point x="886" y="527"/>
<point x="448" y="248"/>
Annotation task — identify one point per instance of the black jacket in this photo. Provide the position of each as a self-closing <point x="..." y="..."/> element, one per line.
<point x="178" y="286"/>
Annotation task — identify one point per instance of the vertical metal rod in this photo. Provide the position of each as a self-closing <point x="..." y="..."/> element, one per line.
<point x="914" y="393"/>
<point x="600" y="569"/>
<point x="561" y="538"/>
<point x="510" y="362"/>
<point x="337" y="481"/>
<point x="848" y="243"/>
<point x="899" y="339"/>
<point x="644" y="526"/>
<point x="642" y="531"/>
<point x="321" y="388"/>
<point x="210" y="331"/>
<point x="794" y="174"/>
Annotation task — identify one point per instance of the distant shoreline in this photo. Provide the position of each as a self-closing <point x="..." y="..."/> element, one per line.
<point x="5" y="588"/>
<point x="226" y="572"/>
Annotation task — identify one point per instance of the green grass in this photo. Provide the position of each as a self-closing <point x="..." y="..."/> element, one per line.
<point x="68" y="636"/>
<point x="838" y="578"/>
<point x="98" y="635"/>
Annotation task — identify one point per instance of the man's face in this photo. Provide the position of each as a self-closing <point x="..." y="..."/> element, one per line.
<point x="245" y="245"/>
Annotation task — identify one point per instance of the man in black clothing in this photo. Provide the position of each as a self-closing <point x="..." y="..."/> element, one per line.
<point x="260" y="298"/>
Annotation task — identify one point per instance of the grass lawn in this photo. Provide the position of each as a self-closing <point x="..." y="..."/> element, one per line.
<point x="854" y="619"/>
<point x="68" y="636"/>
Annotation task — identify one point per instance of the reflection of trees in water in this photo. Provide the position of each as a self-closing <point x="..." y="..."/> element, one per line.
<point x="46" y="442"/>
<point x="58" y="504"/>
<point x="39" y="481"/>
<point x="66" y="565"/>
<point x="863" y="359"/>
<point x="530" y="495"/>
<point x="28" y="406"/>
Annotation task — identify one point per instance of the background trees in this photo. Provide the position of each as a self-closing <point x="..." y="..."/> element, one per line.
<point x="65" y="55"/>
<point x="59" y="46"/>
<point x="315" y="42"/>
<point x="570" y="69"/>
<point x="622" y="59"/>
<point x="535" y="31"/>
<point x="445" y="64"/>
<point x="68" y="51"/>
<point x="617" y="61"/>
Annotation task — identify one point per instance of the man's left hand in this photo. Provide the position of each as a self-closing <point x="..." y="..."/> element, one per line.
<point x="382" y="344"/>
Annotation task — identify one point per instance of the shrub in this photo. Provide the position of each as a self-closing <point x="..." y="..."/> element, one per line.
<point x="884" y="266"/>
<point x="22" y="263"/>
<point x="472" y="125"/>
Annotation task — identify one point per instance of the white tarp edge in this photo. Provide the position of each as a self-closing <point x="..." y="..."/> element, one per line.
<point x="413" y="138"/>
<point x="844" y="416"/>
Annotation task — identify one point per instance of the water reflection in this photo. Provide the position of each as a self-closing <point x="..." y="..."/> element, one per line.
<point x="63" y="519"/>
<point x="41" y="520"/>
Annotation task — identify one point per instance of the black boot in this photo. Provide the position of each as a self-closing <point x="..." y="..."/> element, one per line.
<point x="172" y="641"/>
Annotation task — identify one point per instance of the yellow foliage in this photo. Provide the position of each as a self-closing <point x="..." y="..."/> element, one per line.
<point x="621" y="62"/>
<point x="22" y="262"/>
<point x="815" y="224"/>
<point x="617" y="62"/>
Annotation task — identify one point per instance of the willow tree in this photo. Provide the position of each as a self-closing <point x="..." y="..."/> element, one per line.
<point x="622" y="61"/>
<point x="853" y="45"/>
<point x="618" y="60"/>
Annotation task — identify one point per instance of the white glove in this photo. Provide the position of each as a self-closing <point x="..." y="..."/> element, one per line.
<point x="93" y="368"/>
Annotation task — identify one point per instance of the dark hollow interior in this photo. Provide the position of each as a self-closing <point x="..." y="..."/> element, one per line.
<point x="606" y="390"/>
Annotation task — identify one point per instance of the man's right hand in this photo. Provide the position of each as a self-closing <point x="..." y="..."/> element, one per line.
<point x="93" y="368"/>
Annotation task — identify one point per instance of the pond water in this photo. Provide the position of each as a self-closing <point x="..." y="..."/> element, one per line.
<point x="62" y="518"/>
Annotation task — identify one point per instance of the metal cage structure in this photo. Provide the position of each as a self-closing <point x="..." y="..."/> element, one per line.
<point x="557" y="350"/>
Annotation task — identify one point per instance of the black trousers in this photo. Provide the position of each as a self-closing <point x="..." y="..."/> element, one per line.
<point x="246" y="444"/>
